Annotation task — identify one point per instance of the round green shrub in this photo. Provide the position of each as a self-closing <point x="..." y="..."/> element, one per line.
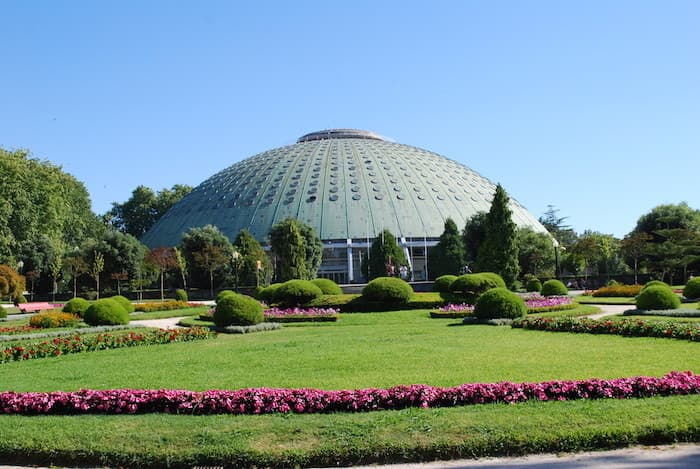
<point x="76" y="306"/>
<point x="443" y="283"/>
<point x="237" y="310"/>
<point x="388" y="290"/>
<point x="491" y="278"/>
<point x="297" y="292"/>
<point x="106" y="312"/>
<point x="500" y="303"/>
<point x="554" y="287"/>
<point x="656" y="283"/>
<point x="181" y="295"/>
<point x="657" y="297"/>
<point x="471" y="286"/>
<point x="20" y="299"/>
<point x="692" y="288"/>
<point x="269" y="293"/>
<point x="222" y="294"/>
<point x="533" y="285"/>
<point x="327" y="286"/>
<point x="126" y="304"/>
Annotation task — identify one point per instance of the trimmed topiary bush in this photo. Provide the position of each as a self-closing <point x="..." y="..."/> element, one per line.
<point x="471" y="286"/>
<point x="76" y="306"/>
<point x="269" y="293"/>
<point x="500" y="303"/>
<point x="181" y="295"/>
<point x="657" y="297"/>
<point x="327" y="286"/>
<point x="554" y="287"/>
<point x="692" y="288"/>
<point x="126" y="304"/>
<point x="222" y="294"/>
<point x="392" y="290"/>
<point x="297" y="292"/>
<point x="106" y="312"/>
<point x="655" y="283"/>
<point x="237" y="310"/>
<point x="533" y="285"/>
<point x="443" y="283"/>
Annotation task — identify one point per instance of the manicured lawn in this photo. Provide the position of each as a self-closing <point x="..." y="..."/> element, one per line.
<point x="360" y="350"/>
<point x="602" y="300"/>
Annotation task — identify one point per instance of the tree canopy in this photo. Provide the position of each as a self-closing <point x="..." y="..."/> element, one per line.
<point x="448" y="256"/>
<point x="41" y="205"/>
<point x="385" y="257"/>
<point x="297" y="249"/>
<point x="138" y="214"/>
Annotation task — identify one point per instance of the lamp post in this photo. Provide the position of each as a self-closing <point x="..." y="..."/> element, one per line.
<point x="258" y="268"/>
<point x="236" y="266"/>
<point x="20" y="266"/>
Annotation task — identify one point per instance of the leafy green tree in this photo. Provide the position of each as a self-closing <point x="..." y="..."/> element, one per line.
<point x="250" y="252"/>
<point x="95" y="267"/>
<point x="289" y="247"/>
<point x="674" y="230"/>
<point x="385" y="257"/>
<point x="40" y="201"/>
<point x="74" y="266"/>
<point x="535" y="253"/>
<point x="633" y="247"/>
<point x="145" y="207"/>
<point x="448" y="256"/>
<point x="499" y="251"/>
<point x="162" y="259"/>
<point x="181" y="266"/>
<point x="313" y="247"/>
<point x="473" y="236"/>
<point x="197" y="240"/>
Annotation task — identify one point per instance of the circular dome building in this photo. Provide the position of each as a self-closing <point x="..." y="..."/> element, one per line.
<point x="349" y="185"/>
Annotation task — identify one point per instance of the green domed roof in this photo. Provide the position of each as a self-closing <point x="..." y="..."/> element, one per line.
<point x="344" y="183"/>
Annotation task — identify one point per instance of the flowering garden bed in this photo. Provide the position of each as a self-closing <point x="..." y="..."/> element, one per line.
<point x="535" y="304"/>
<point x="289" y="315"/>
<point x="270" y="401"/>
<point x="630" y="328"/>
<point x="77" y="343"/>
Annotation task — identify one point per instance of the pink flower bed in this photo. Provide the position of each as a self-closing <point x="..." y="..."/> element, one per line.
<point x="268" y="401"/>
<point x="547" y="301"/>
<point x="460" y="308"/>
<point x="306" y="312"/>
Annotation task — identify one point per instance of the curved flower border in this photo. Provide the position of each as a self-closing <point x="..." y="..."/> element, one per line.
<point x="269" y="401"/>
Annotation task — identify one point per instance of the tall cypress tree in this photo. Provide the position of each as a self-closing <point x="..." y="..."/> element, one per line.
<point x="289" y="246"/>
<point x="448" y="256"/>
<point x="384" y="254"/>
<point x="499" y="251"/>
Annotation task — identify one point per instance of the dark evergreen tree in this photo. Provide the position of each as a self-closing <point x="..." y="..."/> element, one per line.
<point x="314" y="249"/>
<point x="289" y="247"/>
<point x="499" y="251"/>
<point x="385" y="257"/>
<point x="245" y="266"/>
<point x="473" y="236"/>
<point x="447" y="257"/>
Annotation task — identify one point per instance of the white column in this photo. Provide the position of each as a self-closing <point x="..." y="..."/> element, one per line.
<point x="351" y="273"/>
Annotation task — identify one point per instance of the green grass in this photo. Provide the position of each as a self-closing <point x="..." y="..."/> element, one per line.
<point x="612" y="300"/>
<point x="360" y="350"/>
<point x="173" y="313"/>
<point x="581" y="310"/>
<point x="288" y="440"/>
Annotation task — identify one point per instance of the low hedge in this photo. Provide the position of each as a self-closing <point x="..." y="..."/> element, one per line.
<point x="671" y="313"/>
<point x="163" y="306"/>
<point x="630" y="328"/>
<point x="259" y="327"/>
<point x="79" y="344"/>
<point x="624" y="291"/>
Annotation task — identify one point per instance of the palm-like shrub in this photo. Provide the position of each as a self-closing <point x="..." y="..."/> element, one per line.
<point x="443" y="283"/>
<point x="554" y="287"/>
<point x="297" y="292"/>
<point x="327" y="286"/>
<point x="692" y="288"/>
<point x="657" y="297"/>
<point x="106" y="312"/>
<point x="391" y="290"/>
<point x="76" y="306"/>
<point x="237" y="310"/>
<point x="500" y="303"/>
<point x="126" y="304"/>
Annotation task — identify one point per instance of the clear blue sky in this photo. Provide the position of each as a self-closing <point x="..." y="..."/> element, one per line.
<point x="591" y="106"/>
